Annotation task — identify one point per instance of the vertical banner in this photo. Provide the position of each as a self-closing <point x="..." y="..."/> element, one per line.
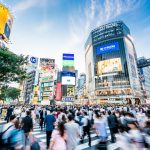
<point x="58" y="92"/>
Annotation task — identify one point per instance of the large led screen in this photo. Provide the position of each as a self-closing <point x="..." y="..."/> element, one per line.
<point x="109" y="66"/>
<point x="68" y="80"/>
<point x="106" y="48"/>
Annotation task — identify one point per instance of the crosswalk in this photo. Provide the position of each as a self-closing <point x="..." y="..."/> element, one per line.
<point x="41" y="136"/>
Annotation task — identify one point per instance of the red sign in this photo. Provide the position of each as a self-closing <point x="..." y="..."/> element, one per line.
<point x="58" y="92"/>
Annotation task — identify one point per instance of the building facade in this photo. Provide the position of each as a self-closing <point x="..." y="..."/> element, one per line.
<point x="111" y="67"/>
<point x="144" y="74"/>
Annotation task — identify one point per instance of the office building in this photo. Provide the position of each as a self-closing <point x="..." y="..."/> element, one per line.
<point x="111" y="68"/>
<point x="144" y="75"/>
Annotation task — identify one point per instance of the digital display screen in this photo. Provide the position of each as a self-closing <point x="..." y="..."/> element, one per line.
<point x="109" y="66"/>
<point x="106" y="48"/>
<point x="68" y="80"/>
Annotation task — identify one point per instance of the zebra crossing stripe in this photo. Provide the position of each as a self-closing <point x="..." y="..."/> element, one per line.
<point x="42" y="138"/>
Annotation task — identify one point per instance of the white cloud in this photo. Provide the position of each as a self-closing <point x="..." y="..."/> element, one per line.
<point x="94" y="14"/>
<point x="24" y="5"/>
<point x="43" y="27"/>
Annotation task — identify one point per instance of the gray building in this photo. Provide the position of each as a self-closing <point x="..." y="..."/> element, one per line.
<point x="144" y="74"/>
<point x="111" y="68"/>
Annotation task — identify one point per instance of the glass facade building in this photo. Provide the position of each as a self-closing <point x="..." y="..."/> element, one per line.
<point x="144" y="73"/>
<point x="111" y="67"/>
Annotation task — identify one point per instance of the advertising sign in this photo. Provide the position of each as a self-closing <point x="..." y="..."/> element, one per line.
<point x="67" y="99"/>
<point x="47" y="88"/>
<point x="47" y="94"/>
<point x="47" y="78"/>
<point x="70" y="91"/>
<point x="68" y="63"/>
<point x="68" y="60"/>
<point x="32" y="63"/>
<point x="109" y="66"/>
<point x="68" y="80"/>
<point x="68" y="56"/>
<point x="46" y="65"/>
<point x="5" y="22"/>
<point x="107" y="48"/>
<point x="58" y="92"/>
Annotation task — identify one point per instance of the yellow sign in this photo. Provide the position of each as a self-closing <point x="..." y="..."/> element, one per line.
<point x="5" y="22"/>
<point x="70" y="91"/>
<point x="109" y="66"/>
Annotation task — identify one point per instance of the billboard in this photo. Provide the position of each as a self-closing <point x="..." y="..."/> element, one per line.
<point x="5" y="22"/>
<point x="68" y="60"/>
<point x="68" y="80"/>
<point x="47" y="65"/>
<point x="70" y="91"/>
<point x="68" y="63"/>
<point x="49" y="94"/>
<point x="47" y="78"/>
<point x="58" y="92"/>
<point x="107" y="48"/>
<point x="109" y="66"/>
<point x="68" y="56"/>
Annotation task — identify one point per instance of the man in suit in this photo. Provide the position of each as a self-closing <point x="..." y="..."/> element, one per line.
<point x="49" y="123"/>
<point x="42" y="117"/>
<point x="113" y="125"/>
<point x="27" y="123"/>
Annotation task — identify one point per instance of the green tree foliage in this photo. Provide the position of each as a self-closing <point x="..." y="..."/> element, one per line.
<point x="9" y="92"/>
<point x="11" y="66"/>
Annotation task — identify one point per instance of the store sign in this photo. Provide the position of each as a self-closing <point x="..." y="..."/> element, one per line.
<point x="47" y="79"/>
<point x="107" y="48"/>
<point x="67" y="99"/>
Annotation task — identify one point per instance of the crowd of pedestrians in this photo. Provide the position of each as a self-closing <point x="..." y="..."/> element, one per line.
<point x="67" y="126"/>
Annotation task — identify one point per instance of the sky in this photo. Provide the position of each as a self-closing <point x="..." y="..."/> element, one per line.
<point x="49" y="28"/>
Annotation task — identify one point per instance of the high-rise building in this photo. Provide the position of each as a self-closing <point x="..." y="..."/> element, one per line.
<point x="111" y="68"/>
<point x="81" y="88"/>
<point x="32" y="79"/>
<point x="144" y="74"/>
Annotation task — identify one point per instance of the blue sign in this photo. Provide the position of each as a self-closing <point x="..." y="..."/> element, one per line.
<point x="66" y="73"/>
<point x="106" y="48"/>
<point x="68" y="56"/>
<point x="33" y="60"/>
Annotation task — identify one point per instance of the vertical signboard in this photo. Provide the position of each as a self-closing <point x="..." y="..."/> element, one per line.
<point x="58" y="92"/>
<point x="47" y="74"/>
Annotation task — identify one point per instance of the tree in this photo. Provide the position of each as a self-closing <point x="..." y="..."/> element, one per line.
<point x="11" y="66"/>
<point x="9" y="92"/>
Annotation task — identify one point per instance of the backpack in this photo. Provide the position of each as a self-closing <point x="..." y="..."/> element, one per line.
<point x="2" y="144"/>
<point x="32" y="143"/>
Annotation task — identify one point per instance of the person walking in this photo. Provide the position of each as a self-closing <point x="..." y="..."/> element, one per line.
<point x="27" y="123"/>
<point x="86" y="127"/>
<point x="73" y="133"/>
<point x="10" y="137"/>
<point x="42" y="117"/>
<point x="9" y="113"/>
<point x="49" y="123"/>
<point x="58" y="140"/>
<point x="112" y="123"/>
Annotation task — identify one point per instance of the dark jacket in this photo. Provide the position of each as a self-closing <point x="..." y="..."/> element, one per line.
<point x="112" y="121"/>
<point x="27" y="124"/>
<point x="9" y="111"/>
<point x="41" y="114"/>
<point x="49" y="122"/>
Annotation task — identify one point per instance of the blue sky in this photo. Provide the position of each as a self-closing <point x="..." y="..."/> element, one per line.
<point x="48" y="28"/>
